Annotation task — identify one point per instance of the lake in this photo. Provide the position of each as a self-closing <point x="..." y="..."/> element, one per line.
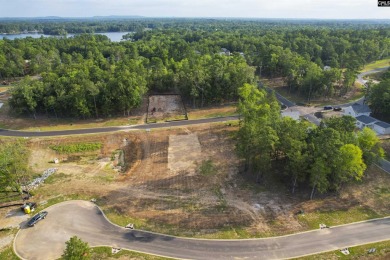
<point x="113" y="36"/>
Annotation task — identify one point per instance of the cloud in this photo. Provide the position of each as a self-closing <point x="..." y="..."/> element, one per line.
<point x="197" y="8"/>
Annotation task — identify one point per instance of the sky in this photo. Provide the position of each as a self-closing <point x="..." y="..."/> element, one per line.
<point x="320" y="9"/>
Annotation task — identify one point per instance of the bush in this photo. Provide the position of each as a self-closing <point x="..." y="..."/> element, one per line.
<point x="207" y="168"/>
<point x="76" y="249"/>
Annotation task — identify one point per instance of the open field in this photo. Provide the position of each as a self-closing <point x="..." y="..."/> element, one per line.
<point x="376" y="64"/>
<point x="136" y="179"/>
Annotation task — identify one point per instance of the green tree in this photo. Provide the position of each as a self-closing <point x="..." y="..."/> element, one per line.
<point x="379" y="98"/>
<point x="369" y="143"/>
<point x="13" y="165"/>
<point x="76" y="249"/>
<point x="257" y="136"/>
<point x="349" y="164"/>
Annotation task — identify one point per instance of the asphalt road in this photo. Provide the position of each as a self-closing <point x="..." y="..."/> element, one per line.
<point x="361" y="75"/>
<point x="15" y="133"/>
<point x="385" y="165"/>
<point x="46" y="240"/>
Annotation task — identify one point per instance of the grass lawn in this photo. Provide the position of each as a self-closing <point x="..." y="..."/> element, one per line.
<point x="212" y="112"/>
<point x="106" y="253"/>
<point x="8" y="253"/>
<point x="338" y="217"/>
<point x="376" y="64"/>
<point x="382" y="252"/>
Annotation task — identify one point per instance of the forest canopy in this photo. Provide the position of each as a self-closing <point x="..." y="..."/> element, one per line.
<point x="205" y="60"/>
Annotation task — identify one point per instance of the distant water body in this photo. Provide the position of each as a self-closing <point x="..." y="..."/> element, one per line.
<point x="113" y="36"/>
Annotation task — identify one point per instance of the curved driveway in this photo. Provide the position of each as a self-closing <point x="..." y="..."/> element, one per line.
<point x="47" y="239"/>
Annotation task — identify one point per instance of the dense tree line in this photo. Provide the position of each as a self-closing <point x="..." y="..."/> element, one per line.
<point x="324" y="157"/>
<point x="88" y="75"/>
<point x="379" y="96"/>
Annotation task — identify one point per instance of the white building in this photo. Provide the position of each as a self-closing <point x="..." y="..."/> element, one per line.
<point x="382" y="128"/>
<point x="365" y="121"/>
<point x="357" y="110"/>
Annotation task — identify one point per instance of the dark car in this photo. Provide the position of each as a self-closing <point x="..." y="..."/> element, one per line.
<point x="328" y="108"/>
<point x="36" y="218"/>
<point x="337" y="109"/>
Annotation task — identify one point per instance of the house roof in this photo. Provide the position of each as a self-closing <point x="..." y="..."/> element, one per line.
<point x="366" y="119"/>
<point x="383" y="124"/>
<point x="358" y="108"/>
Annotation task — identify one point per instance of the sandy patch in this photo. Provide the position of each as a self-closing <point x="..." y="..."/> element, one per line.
<point x="183" y="153"/>
<point x="12" y="218"/>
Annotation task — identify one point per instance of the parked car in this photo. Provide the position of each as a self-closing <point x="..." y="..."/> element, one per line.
<point x="337" y="109"/>
<point x="328" y="108"/>
<point x="41" y="215"/>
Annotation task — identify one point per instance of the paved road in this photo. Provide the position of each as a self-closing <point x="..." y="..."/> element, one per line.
<point x="14" y="133"/>
<point x="85" y="220"/>
<point x="361" y="75"/>
<point x="280" y="98"/>
<point x="385" y="165"/>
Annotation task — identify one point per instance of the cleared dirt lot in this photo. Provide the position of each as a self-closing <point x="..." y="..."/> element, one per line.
<point x="162" y="187"/>
<point x="165" y="107"/>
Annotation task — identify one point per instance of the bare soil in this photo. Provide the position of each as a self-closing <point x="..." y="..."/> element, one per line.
<point x="162" y="184"/>
<point x="165" y="107"/>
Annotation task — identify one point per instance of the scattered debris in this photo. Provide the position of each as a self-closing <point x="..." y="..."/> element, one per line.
<point x="115" y="250"/>
<point x="345" y="251"/>
<point x="38" y="181"/>
<point x="93" y="200"/>
<point x="322" y="226"/>
<point x="56" y="161"/>
<point x="130" y="226"/>
<point x="372" y="250"/>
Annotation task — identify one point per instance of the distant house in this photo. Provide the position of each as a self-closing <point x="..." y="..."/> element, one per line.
<point x="293" y="114"/>
<point x="357" y="110"/>
<point x="382" y="128"/>
<point x="365" y="121"/>
<point x="224" y="51"/>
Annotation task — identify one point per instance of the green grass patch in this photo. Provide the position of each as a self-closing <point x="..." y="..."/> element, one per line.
<point x="382" y="252"/>
<point x="106" y="253"/>
<point x="76" y="147"/>
<point x="207" y="168"/>
<point x="377" y="64"/>
<point x="58" y="176"/>
<point x="8" y="253"/>
<point x="122" y="220"/>
<point x="59" y="199"/>
<point x="337" y="217"/>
